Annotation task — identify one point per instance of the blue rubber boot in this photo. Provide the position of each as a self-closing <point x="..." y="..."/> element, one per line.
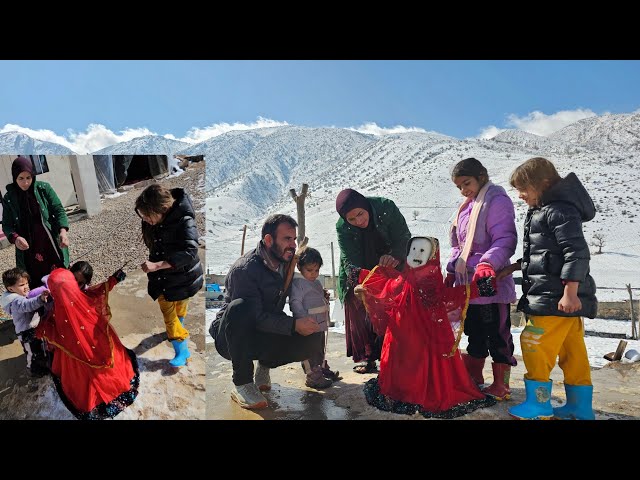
<point x="578" y="406"/>
<point x="182" y="353"/>
<point x="537" y="405"/>
<point x="181" y="320"/>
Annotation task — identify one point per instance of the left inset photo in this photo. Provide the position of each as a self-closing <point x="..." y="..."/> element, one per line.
<point x="102" y="301"/>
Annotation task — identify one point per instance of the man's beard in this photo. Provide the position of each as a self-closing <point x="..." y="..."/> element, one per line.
<point x="277" y="253"/>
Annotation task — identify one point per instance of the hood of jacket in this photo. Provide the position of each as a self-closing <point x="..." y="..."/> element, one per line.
<point x="570" y="190"/>
<point x="182" y="207"/>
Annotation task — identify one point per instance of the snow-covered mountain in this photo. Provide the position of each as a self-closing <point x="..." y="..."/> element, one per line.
<point x="147" y="145"/>
<point x="619" y="133"/>
<point x="19" y="143"/>
<point x="533" y="143"/>
<point x="273" y="156"/>
<point x="413" y="170"/>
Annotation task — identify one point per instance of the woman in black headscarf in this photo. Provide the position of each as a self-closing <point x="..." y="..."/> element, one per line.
<point x="34" y="220"/>
<point x="371" y="231"/>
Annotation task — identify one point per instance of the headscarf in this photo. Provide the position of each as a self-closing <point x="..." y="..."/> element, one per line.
<point x="349" y="199"/>
<point x="22" y="164"/>
<point x="28" y="204"/>
<point x="373" y="243"/>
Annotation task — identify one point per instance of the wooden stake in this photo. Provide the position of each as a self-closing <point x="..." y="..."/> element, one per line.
<point x="617" y="355"/>
<point x="299" y="199"/>
<point x="634" y="330"/>
<point x="301" y="239"/>
<point x="244" y="234"/>
<point x="333" y="269"/>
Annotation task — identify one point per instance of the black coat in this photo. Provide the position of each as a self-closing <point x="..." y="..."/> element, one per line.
<point x="176" y="241"/>
<point x="555" y="250"/>
<point x="250" y="279"/>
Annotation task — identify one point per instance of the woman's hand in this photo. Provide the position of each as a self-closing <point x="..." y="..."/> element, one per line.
<point x="388" y="261"/>
<point x="359" y="292"/>
<point x="64" y="238"/>
<point x="22" y="244"/>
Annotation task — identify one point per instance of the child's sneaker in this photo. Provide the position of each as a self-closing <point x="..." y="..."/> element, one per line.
<point x="316" y="379"/>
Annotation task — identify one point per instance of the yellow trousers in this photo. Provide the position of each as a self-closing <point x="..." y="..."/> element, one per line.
<point x="171" y="311"/>
<point x="545" y="338"/>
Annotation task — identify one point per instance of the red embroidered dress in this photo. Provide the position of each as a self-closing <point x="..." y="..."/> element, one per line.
<point x="95" y="375"/>
<point x="413" y="310"/>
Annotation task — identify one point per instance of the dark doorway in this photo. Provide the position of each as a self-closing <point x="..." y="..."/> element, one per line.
<point x="135" y="168"/>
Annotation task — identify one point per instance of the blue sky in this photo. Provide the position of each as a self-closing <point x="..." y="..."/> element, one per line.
<point x="457" y="98"/>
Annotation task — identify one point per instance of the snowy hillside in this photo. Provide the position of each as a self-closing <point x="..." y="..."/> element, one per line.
<point x="531" y="142"/>
<point x="608" y="132"/>
<point x="241" y="162"/>
<point x="413" y="170"/>
<point x="147" y="145"/>
<point x="20" y="143"/>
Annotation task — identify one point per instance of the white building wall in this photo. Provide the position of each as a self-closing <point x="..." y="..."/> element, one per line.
<point x="59" y="176"/>
<point x="86" y="182"/>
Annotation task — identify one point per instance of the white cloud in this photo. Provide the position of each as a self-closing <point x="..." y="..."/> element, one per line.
<point x="44" y="135"/>
<point x="542" y="124"/>
<point x="94" y="138"/>
<point x="197" y="135"/>
<point x="372" y="128"/>
<point x="98" y="136"/>
<point x="490" y="132"/>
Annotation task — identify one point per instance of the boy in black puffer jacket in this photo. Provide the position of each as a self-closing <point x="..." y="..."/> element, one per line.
<point x="174" y="269"/>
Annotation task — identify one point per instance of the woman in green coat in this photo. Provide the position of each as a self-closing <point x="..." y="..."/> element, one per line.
<point x="34" y="220"/>
<point x="371" y="231"/>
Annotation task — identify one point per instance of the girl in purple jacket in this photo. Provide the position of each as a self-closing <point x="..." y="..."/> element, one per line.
<point x="483" y="239"/>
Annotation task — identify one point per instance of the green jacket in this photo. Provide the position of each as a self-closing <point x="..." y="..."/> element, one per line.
<point x="392" y="226"/>
<point x="53" y="215"/>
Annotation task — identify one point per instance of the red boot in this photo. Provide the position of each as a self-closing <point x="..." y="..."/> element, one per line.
<point x="499" y="389"/>
<point x="474" y="367"/>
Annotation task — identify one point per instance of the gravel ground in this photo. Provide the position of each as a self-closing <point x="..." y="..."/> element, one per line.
<point x="113" y="237"/>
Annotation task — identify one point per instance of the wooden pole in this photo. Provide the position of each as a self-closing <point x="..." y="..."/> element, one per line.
<point x="244" y="234"/>
<point x="301" y="238"/>
<point x="333" y="270"/>
<point x="299" y="199"/>
<point x="634" y="330"/>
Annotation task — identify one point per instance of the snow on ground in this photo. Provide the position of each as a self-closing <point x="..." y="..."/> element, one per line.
<point x="110" y="196"/>
<point x="165" y="393"/>
<point x="175" y="174"/>
<point x="597" y="346"/>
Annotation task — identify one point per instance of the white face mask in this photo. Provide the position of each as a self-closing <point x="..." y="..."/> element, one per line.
<point x="419" y="252"/>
